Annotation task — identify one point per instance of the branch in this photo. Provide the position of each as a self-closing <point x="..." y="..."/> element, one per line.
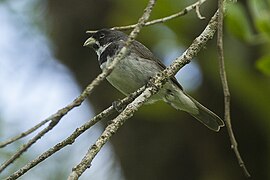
<point x="198" y="10"/>
<point x="55" y="118"/>
<point x="24" y="147"/>
<point x="183" y="12"/>
<point x="69" y="140"/>
<point x="23" y="134"/>
<point x="155" y="85"/>
<point x="226" y="91"/>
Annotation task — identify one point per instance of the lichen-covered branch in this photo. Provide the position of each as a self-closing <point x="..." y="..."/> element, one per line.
<point x="69" y="140"/>
<point x="23" y="134"/>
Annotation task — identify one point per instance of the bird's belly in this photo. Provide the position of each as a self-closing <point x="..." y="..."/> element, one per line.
<point x="131" y="74"/>
<point x="124" y="81"/>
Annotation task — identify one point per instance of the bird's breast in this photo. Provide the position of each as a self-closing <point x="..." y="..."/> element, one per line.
<point x="131" y="73"/>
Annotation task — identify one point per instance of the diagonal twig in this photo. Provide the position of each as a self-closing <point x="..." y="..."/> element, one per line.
<point x="23" y="134"/>
<point x="187" y="9"/>
<point x="198" y="10"/>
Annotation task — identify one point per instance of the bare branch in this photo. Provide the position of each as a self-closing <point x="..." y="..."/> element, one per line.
<point x="24" y="147"/>
<point x="55" y="118"/>
<point x="198" y="10"/>
<point x="162" y="20"/>
<point x="23" y="134"/>
<point x="226" y="91"/>
<point x="154" y="86"/>
<point x="69" y="140"/>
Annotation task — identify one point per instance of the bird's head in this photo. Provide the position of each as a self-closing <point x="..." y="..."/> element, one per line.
<point x="103" y="37"/>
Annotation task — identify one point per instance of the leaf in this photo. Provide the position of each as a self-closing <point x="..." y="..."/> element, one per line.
<point x="261" y="15"/>
<point x="237" y="22"/>
<point x="263" y="64"/>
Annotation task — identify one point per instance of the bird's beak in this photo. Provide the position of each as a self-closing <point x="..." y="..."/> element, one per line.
<point x="89" y="42"/>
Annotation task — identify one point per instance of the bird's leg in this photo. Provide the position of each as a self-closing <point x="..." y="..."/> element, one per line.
<point x="118" y="106"/>
<point x="150" y="82"/>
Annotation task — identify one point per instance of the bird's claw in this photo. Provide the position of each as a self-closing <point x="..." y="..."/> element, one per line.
<point x="118" y="106"/>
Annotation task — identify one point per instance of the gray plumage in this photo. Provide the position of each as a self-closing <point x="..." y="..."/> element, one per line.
<point x="137" y="67"/>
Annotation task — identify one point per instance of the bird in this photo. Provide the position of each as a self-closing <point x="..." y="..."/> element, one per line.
<point x="135" y="70"/>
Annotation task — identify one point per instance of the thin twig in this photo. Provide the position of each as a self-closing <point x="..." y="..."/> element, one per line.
<point x="198" y="11"/>
<point x="55" y="118"/>
<point x="24" y="147"/>
<point x="69" y="140"/>
<point x="23" y="134"/>
<point x="226" y="91"/>
<point x="80" y="168"/>
<point x="162" y="20"/>
<point x="156" y="84"/>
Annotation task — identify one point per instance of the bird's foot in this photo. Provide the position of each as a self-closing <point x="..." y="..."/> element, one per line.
<point x="118" y="106"/>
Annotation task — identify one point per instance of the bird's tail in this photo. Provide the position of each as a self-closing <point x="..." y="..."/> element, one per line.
<point x="207" y="117"/>
<point x="186" y="103"/>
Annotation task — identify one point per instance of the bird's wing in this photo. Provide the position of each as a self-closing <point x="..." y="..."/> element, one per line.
<point x="145" y="53"/>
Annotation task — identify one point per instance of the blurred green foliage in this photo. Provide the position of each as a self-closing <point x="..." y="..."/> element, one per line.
<point x="251" y="23"/>
<point x="237" y="22"/>
<point x="263" y="64"/>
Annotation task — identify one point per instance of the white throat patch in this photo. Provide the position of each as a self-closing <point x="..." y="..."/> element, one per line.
<point x="101" y="49"/>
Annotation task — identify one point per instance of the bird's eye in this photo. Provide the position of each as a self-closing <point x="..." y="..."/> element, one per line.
<point x="102" y="35"/>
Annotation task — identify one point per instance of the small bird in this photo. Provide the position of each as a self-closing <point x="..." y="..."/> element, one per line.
<point x="135" y="70"/>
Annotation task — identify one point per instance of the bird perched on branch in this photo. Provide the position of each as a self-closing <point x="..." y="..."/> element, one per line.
<point x="135" y="70"/>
